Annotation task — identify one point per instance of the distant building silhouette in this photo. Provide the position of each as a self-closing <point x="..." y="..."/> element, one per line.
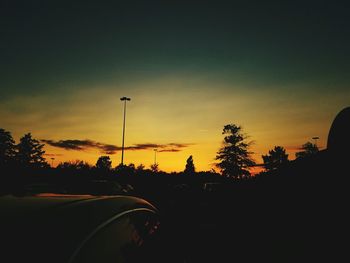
<point x="316" y="190"/>
<point x="330" y="163"/>
<point x="339" y="134"/>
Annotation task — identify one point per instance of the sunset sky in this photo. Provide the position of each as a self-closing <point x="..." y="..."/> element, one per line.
<point x="279" y="69"/>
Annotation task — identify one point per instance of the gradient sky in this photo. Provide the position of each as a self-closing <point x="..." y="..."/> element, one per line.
<point x="280" y="69"/>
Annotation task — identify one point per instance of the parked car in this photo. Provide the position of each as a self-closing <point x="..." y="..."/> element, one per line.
<point x="84" y="187"/>
<point x="41" y="188"/>
<point x="74" y="229"/>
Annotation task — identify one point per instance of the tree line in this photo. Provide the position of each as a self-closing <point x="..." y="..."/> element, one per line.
<point x="27" y="153"/>
<point x="234" y="157"/>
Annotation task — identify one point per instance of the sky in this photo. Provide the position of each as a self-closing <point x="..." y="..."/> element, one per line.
<point x="280" y="69"/>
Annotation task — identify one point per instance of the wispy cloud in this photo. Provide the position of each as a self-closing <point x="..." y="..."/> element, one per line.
<point x="82" y="145"/>
<point x="53" y="154"/>
<point x="293" y="148"/>
<point x="169" y="147"/>
<point x="173" y="150"/>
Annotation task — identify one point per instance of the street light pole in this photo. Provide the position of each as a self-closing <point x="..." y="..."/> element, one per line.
<point x="124" y="99"/>
<point x="315" y="140"/>
<point x="155" y="156"/>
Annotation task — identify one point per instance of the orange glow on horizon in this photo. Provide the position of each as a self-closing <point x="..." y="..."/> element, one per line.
<point x="187" y="110"/>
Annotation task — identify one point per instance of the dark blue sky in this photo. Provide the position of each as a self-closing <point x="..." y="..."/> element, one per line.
<point x="46" y="44"/>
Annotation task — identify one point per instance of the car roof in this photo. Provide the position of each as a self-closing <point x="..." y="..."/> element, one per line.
<point x="55" y="225"/>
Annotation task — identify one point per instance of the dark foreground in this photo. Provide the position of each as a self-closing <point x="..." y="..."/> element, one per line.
<point x="246" y="227"/>
<point x="252" y="221"/>
<point x="297" y="214"/>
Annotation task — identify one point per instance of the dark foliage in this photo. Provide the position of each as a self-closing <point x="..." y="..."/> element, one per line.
<point x="7" y="148"/>
<point x="235" y="157"/>
<point x="189" y="169"/>
<point x="308" y="149"/>
<point x="104" y="163"/>
<point x="275" y="159"/>
<point x="30" y="152"/>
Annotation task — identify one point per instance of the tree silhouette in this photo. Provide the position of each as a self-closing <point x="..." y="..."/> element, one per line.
<point x="140" y="168"/>
<point x="234" y="157"/>
<point x="308" y="149"/>
<point x="154" y="168"/>
<point x="30" y="152"/>
<point x="104" y="163"/>
<point x="74" y="165"/>
<point x="275" y="158"/>
<point x="189" y="169"/>
<point x="7" y="148"/>
<point x="131" y="166"/>
<point x="123" y="169"/>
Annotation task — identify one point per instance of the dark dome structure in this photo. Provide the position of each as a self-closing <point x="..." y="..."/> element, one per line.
<point x="339" y="134"/>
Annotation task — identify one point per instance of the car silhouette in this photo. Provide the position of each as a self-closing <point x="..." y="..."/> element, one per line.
<point x="73" y="228"/>
<point x="89" y="187"/>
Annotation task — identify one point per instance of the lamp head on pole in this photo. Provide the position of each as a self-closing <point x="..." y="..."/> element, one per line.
<point x="125" y="98"/>
<point x="315" y="139"/>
